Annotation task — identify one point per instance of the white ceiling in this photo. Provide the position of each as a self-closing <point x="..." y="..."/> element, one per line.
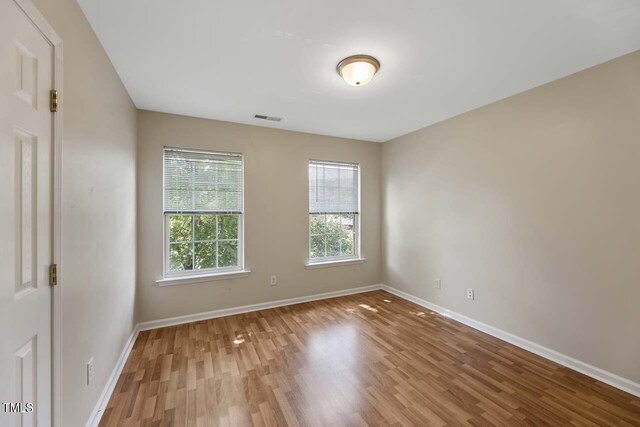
<point x="229" y="59"/>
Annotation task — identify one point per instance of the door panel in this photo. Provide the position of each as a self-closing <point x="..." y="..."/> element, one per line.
<point x="26" y="76"/>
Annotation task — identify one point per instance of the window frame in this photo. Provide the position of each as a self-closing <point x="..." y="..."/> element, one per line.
<point x="167" y="273"/>
<point x="357" y="254"/>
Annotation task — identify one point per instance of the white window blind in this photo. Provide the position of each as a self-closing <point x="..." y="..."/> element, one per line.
<point x="333" y="187"/>
<point x="202" y="182"/>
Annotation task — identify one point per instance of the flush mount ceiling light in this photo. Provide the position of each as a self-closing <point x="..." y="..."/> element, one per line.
<point x="358" y="70"/>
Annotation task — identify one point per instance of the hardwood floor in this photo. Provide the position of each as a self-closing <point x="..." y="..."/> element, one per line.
<point x="368" y="359"/>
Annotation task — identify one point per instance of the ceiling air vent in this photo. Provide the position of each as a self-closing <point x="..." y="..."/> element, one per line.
<point x="263" y="117"/>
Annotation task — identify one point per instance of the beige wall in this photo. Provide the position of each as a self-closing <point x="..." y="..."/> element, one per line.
<point x="98" y="286"/>
<point x="534" y="202"/>
<point x="276" y="214"/>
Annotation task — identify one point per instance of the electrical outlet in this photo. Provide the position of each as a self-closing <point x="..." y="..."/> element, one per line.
<point x="438" y="284"/>
<point x="470" y="294"/>
<point x="89" y="371"/>
<point x="274" y="280"/>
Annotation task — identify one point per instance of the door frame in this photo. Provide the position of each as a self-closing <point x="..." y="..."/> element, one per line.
<point x="47" y="31"/>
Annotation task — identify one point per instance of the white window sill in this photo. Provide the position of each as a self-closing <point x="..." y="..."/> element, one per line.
<point x="334" y="263"/>
<point x="197" y="278"/>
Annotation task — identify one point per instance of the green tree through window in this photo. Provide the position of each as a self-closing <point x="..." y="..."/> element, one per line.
<point x="331" y="235"/>
<point x="198" y="242"/>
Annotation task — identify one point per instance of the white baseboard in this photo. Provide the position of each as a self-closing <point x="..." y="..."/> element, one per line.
<point x="101" y="405"/>
<point x="582" y="367"/>
<point x="154" y="324"/>
<point x="589" y="370"/>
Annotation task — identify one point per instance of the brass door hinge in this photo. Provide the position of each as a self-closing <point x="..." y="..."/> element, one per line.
<point x="53" y="274"/>
<point x="53" y="100"/>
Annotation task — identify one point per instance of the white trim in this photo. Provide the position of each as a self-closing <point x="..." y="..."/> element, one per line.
<point x="47" y="31"/>
<point x="56" y="341"/>
<point x="161" y="323"/>
<point x="597" y="373"/>
<point x="197" y="278"/>
<point x="333" y="263"/>
<point x="564" y="360"/>
<point x="103" y="401"/>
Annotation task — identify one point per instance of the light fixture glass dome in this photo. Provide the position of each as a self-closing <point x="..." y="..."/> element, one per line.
<point x="358" y="70"/>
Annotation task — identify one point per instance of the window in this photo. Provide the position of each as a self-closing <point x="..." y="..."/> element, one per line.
<point x="203" y="206"/>
<point x="334" y="207"/>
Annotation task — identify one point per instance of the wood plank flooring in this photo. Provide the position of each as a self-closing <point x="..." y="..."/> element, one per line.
<point x="369" y="359"/>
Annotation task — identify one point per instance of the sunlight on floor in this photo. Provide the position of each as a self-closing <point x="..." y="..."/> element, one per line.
<point x="240" y="338"/>
<point x="368" y="307"/>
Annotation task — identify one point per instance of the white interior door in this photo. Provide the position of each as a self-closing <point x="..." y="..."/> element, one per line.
<point x="26" y="164"/>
